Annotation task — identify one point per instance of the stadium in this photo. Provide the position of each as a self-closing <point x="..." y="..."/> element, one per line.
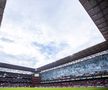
<point x="87" y="68"/>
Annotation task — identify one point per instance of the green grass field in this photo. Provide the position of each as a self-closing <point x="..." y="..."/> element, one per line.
<point x="84" y="88"/>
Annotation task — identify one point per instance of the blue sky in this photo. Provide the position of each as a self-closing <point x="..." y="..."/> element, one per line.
<point x="36" y="32"/>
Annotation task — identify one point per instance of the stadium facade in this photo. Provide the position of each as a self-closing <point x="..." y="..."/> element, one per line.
<point x="88" y="67"/>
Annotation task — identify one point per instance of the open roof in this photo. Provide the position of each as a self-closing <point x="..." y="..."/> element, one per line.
<point x="97" y="11"/>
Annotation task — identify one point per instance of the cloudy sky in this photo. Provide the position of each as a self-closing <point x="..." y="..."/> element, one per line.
<point x="36" y="32"/>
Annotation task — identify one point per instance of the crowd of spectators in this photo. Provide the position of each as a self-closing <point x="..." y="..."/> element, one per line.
<point x="90" y="72"/>
<point x="78" y="83"/>
<point x="91" y="67"/>
<point x="14" y="85"/>
<point x="84" y="77"/>
<point x="15" y="80"/>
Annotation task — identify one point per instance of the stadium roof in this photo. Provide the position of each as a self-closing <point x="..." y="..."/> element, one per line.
<point x="98" y="11"/>
<point x="2" y="6"/>
<point x="10" y="66"/>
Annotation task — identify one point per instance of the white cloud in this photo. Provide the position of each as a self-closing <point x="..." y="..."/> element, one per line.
<point x="63" y="22"/>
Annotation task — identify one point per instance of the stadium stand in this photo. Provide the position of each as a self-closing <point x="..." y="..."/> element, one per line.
<point x="87" y="71"/>
<point x="16" y="76"/>
<point x="88" y="67"/>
